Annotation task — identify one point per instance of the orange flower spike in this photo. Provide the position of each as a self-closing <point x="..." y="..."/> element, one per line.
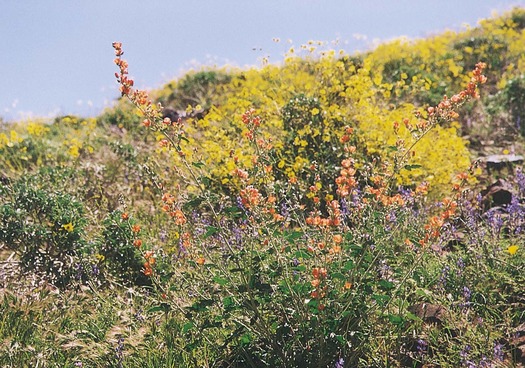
<point x="137" y="243"/>
<point x="147" y="271"/>
<point x="462" y="176"/>
<point x="124" y="216"/>
<point x="135" y="229"/>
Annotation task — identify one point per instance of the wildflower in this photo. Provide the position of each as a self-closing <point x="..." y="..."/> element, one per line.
<point x="168" y="198"/>
<point x="319" y="272"/>
<point x="348" y="285"/>
<point x="69" y="228"/>
<point x="250" y="197"/>
<point x="124" y="216"/>
<point x="137" y="243"/>
<point x="512" y="249"/>
<point x="499" y="354"/>
<point x="201" y="261"/>
<point x="135" y="229"/>
<point x="147" y="270"/>
<point x="338" y="238"/>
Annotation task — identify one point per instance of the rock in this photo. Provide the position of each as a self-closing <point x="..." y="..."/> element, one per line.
<point x="499" y="162"/>
<point x="496" y="195"/>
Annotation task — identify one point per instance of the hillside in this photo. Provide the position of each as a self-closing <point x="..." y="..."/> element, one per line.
<point x="333" y="210"/>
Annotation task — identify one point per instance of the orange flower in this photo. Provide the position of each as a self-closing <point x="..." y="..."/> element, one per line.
<point x="315" y="282"/>
<point x="348" y="285"/>
<point x="201" y="261"/>
<point x="135" y="229"/>
<point x="338" y="238"/>
<point x="147" y="270"/>
<point x="124" y="216"/>
<point x="168" y="198"/>
<point x="319" y="272"/>
<point x="137" y="243"/>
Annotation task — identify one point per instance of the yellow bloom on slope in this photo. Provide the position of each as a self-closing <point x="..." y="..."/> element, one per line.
<point x="68" y="227"/>
<point x="512" y="249"/>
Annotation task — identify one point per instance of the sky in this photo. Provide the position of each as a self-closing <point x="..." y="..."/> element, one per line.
<point x="56" y="56"/>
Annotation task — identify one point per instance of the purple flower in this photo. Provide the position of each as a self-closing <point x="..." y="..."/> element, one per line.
<point x="422" y="346"/>
<point x="498" y="351"/>
<point x="340" y="363"/>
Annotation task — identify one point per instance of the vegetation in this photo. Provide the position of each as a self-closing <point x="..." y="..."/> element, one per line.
<point x="326" y="212"/>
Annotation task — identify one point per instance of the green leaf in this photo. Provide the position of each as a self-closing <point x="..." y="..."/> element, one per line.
<point x="205" y="180"/>
<point x="246" y="339"/>
<point x="163" y="307"/>
<point x="210" y="230"/>
<point x="348" y="265"/>
<point x="293" y="235"/>
<point x="338" y="276"/>
<point x="198" y="164"/>
<point x="395" y="319"/>
<point x="187" y="326"/>
<point x="381" y="299"/>
<point x="386" y="285"/>
<point x="303" y="254"/>
<point x="201" y="305"/>
<point x="220" y="280"/>
<point x="228" y="302"/>
<point x="411" y="167"/>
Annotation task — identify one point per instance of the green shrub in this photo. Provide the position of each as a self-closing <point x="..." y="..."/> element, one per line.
<point x="44" y="227"/>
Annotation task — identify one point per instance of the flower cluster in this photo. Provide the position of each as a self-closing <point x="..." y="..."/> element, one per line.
<point x="138" y="97"/>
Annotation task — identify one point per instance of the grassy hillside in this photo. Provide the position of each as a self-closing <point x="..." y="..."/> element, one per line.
<point x="330" y="211"/>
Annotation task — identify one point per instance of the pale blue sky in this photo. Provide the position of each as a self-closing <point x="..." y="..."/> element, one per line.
<point x="56" y="55"/>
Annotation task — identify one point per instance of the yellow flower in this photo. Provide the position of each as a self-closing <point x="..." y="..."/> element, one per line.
<point x="68" y="227"/>
<point x="512" y="249"/>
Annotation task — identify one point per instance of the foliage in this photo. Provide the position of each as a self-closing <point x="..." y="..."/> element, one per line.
<point x="46" y="228"/>
<point x="322" y="212"/>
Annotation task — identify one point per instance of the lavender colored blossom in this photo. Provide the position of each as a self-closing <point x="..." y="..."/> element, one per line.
<point x="498" y="351"/>
<point x="461" y="265"/>
<point x="340" y="363"/>
<point x="520" y="180"/>
<point x="119" y="352"/>
<point x="444" y="277"/>
<point x="466" y="295"/>
<point x="421" y="347"/>
<point x="95" y="270"/>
